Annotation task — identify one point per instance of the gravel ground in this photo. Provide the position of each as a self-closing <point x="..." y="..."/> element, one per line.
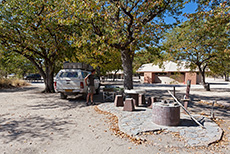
<point x="32" y="122"/>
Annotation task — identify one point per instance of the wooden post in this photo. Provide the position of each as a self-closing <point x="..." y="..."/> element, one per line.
<point x="187" y="93"/>
<point x="212" y="112"/>
<point x="174" y="91"/>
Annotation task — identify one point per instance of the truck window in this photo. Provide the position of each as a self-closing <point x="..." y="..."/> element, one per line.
<point x="84" y="74"/>
<point x="69" y="74"/>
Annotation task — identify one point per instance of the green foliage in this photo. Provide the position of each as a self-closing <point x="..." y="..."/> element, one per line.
<point x="31" y="28"/>
<point x="220" y="20"/>
<point x="120" y="25"/>
<point x="11" y="62"/>
<point x="220" y="65"/>
<point x="106" y="60"/>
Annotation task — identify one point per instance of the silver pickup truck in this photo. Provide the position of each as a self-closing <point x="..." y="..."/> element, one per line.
<point x="71" y="82"/>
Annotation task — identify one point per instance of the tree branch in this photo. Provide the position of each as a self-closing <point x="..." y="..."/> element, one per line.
<point x="208" y="58"/>
<point x="134" y="6"/>
<point x="130" y="22"/>
<point x="96" y="29"/>
<point x="19" y="33"/>
<point x="32" y="60"/>
<point x="43" y="7"/>
<point x="154" y="14"/>
<point x="55" y="39"/>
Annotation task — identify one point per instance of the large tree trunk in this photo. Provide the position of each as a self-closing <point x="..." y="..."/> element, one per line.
<point x="49" y="84"/>
<point x="206" y="85"/>
<point x="47" y="75"/>
<point x="226" y="76"/>
<point x="127" y="61"/>
<point x="203" y="78"/>
<point x="49" y="87"/>
<point x="114" y="75"/>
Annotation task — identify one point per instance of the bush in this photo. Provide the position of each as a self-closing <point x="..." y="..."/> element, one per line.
<point x="11" y="83"/>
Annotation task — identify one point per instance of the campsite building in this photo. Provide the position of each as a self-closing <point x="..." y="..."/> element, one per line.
<point x="170" y="72"/>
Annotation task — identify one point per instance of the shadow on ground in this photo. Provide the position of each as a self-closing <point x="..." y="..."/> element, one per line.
<point x="159" y="85"/>
<point x="187" y="123"/>
<point x="53" y="101"/>
<point x="20" y="89"/>
<point x="32" y="127"/>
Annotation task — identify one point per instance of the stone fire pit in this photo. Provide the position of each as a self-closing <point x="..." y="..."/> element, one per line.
<point x="167" y="114"/>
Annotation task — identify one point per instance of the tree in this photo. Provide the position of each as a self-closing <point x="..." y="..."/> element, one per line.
<point x="124" y="25"/>
<point x="14" y="63"/>
<point x="200" y="39"/>
<point x="30" y="28"/>
<point x="219" y="17"/>
<point x="220" y="66"/>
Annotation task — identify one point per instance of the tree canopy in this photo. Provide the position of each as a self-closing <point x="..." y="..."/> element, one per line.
<point x="123" y="25"/>
<point x="31" y="29"/>
<point x="201" y="38"/>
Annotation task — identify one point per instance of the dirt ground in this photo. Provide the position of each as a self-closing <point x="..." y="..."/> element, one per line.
<point x="32" y="122"/>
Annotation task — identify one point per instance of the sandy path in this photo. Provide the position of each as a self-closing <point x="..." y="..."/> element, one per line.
<point x="31" y="122"/>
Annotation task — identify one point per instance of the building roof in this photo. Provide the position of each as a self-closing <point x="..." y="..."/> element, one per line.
<point x="167" y="66"/>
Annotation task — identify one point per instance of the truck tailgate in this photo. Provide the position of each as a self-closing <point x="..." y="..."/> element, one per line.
<point x="69" y="83"/>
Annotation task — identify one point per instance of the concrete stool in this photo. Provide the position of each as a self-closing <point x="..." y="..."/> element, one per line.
<point x="129" y="105"/>
<point x="118" y="101"/>
<point x="142" y="99"/>
<point x="151" y="100"/>
<point x="136" y="98"/>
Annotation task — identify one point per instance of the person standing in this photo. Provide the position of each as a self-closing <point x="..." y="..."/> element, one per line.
<point x="91" y="88"/>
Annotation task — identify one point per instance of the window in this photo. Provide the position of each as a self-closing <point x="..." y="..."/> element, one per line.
<point x="161" y="74"/>
<point x="84" y="74"/>
<point x="69" y="74"/>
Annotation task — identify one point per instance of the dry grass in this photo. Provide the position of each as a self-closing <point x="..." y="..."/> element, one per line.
<point x="11" y="83"/>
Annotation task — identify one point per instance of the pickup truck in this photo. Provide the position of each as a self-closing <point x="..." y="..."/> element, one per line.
<point x="71" y="82"/>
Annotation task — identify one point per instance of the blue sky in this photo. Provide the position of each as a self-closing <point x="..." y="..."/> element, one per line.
<point x="189" y="8"/>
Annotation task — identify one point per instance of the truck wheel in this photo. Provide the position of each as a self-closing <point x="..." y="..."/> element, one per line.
<point x="63" y="96"/>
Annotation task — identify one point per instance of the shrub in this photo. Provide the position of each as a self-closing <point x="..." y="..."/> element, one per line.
<point x="11" y="83"/>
